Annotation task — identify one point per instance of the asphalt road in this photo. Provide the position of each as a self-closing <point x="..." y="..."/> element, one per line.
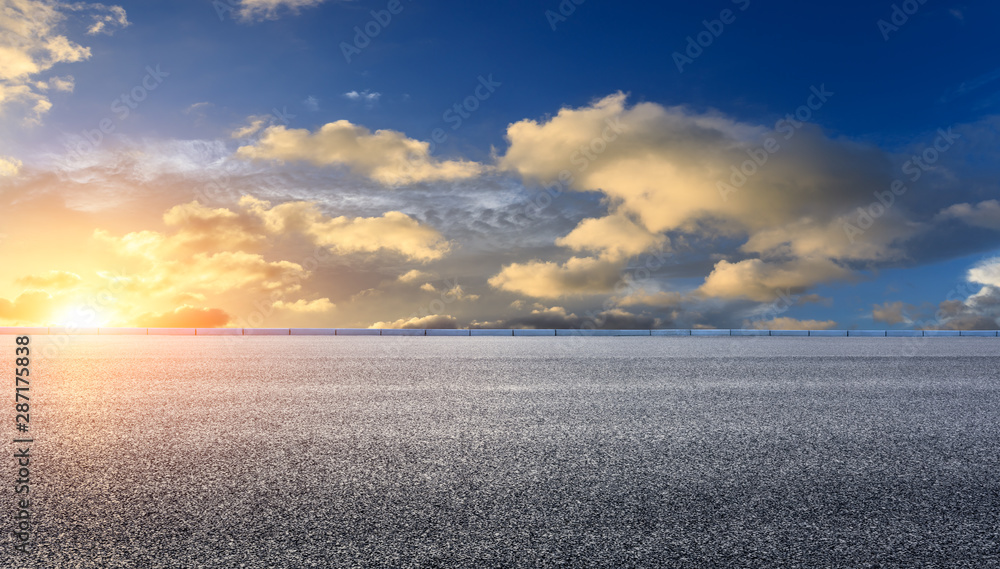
<point x="513" y="452"/>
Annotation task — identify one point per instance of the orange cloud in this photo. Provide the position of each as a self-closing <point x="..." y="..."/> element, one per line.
<point x="185" y="317"/>
<point x="31" y="307"/>
<point x="52" y="280"/>
<point x="393" y="231"/>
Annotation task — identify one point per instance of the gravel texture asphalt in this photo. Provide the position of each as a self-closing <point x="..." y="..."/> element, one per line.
<point x="513" y="452"/>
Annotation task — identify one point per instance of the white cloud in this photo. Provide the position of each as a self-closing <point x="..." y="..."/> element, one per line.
<point x="105" y="23"/>
<point x="65" y="84"/>
<point x="986" y="273"/>
<point x="257" y="10"/>
<point x="368" y="97"/>
<point x="385" y="156"/>
<point x="9" y="166"/>
<point x="256" y="124"/>
<point x="984" y="214"/>
<point x="31" y="43"/>
<point x="979" y="310"/>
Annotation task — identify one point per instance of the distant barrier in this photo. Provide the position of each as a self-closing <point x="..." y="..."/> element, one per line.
<point x="698" y="332"/>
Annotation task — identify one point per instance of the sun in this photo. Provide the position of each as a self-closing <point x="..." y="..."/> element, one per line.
<point x="79" y="316"/>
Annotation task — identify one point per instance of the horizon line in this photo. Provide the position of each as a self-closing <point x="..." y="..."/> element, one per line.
<point x="460" y="332"/>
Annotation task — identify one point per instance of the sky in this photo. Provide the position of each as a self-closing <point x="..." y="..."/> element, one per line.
<point x="573" y="164"/>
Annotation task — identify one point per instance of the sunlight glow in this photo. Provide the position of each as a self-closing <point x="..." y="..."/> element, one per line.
<point x="79" y="317"/>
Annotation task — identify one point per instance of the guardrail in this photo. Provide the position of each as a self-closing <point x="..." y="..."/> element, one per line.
<point x="489" y="332"/>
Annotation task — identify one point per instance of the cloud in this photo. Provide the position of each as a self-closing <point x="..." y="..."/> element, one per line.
<point x="311" y="103"/>
<point x="105" y="23"/>
<point x="434" y="321"/>
<point x="31" y="43"/>
<point x="984" y="214"/>
<point x="200" y="228"/>
<point x="196" y="228"/>
<point x="393" y="231"/>
<point x="65" y="84"/>
<point x="986" y="272"/>
<point x="9" y="166"/>
<point x="184" y="317"/>
<point x="891" y="313"/>
<point x="979" y="310"/>
<point x="386" y="156"/>
<point x="30" y="307"/>
<point x="558" y="317"/>
<point x="785" y="323"/>
<point x="761" y="281"/>
<point x="669" y="170"/>
<point x="545" y="279"/>
<point x="60" y="280"/>
<point x="456" y="293"/>
<point x="257" y="122"/>
<point x="368" y="97"/>
<point x="203" y="252"/>
<point x="303" y="306"/>
<point x="215" y="273"/>
<point x="414" y="275"/>
<point x="258" y="10"/>
<point x="197" y="107"/>
<point x="615" y="237"/>
<point x="643" y="297"/>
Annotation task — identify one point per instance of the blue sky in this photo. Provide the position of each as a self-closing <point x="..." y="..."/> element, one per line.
<point x="894" y="77"/>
